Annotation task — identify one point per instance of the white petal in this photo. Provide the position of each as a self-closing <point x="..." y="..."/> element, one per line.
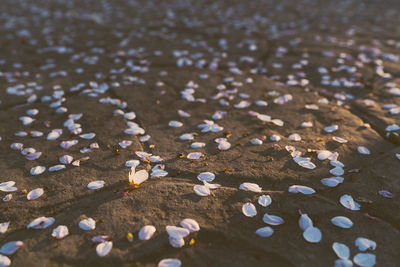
<point x="101" y="238"/>
<point x="363" y="150"/>
<point x="337" y="171"/>
<point x="272" y="219"/>
<point x="249" y="210"/>
<point x="169" y="263"/>
<point x="33" y="156"/>
<point x="87" y="136"/>
<point x="175" y="124"/>
<point x="307" y="124"/>
<point x="41" y="223"/>
<point x="197" y="145"/>
<point x="66" y="159"/>
<point x="301" y="189"/>
<point x="339" y="139"/>
<point x="343" y="263"/>
<point x="194" y="155"/>
<point x="53" y="135"/>
<point x="277" y="122"/>
<point x="60" y="232"/>
<point x="27" y="151"/>
<point x="130" y="115"/>
<point x="332" y="181"/>
<point x="87" y="224"/>
<point x="306" y="164"/>
<point x="295" y="137"/>
<point x="158" y="173"/>
<point x="341" y="250"/>
<point x="26" y="120"/>
<point x="364" y="244"/>
<point x="348" y="202"/>
<point x="177" y="232"/>
<point x="264" y="200"/>
<point x="250" y="187"/>
<point x="312" y="235"/>
<point x="11" y="247"/>
<point x="365" y="259"/>
<point x="140" y="176"/>
<point x="176" y="242"/>
<point x="342" y="222"/>
<point x="125" y="143"/>
<point x="37" y="170"/>
<point x="7" y="198"/>
<point x="275" y="138"/>
<point x="17" y="146"/>
<point x="8" y="186"/>
<point x="132" y="163"/>
<point x="206" y="176"/>
<point x="146" y="232"/>
<point x="4" y="261"/>
<point x="331" y="128"/>
<point x="305" y="222"/>
<point x="56" y="168"/>
<point x="202" y="190"/>
<point x="224" y="145"/>
<point x="187" y="136"/>
<point x="211" y="186"/>
<point x="190" y="224"/>
<point x="256" y="141"/>
<point x="4" y="227"/>
<point x="95" y="185"/>
<point x="104" y="248"/>
<point x="68" y="144"/>
<point x="265" y="231"/>
<point x="34" y="194"/>
<point x="323" y="154"/>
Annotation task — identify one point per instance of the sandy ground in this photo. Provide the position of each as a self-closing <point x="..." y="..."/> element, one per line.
<point x="147" y="52"/>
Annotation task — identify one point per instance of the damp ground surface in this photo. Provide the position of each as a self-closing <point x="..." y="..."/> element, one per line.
<point x="279" y="94"/>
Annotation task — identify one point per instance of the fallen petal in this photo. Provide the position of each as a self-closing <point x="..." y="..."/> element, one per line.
<point x="104" y="248"/>
<point x="87" y="224"/>
<point x="146" y="232"/>
<point x="265" y="231"/>
<point x="312" y="235"/>
<point x="60" y="232"/>
<point x="249" y="210"/>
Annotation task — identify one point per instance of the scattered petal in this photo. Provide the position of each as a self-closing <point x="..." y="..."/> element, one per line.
<point x="249" y="210"/>
<point x="169" y="263"/>
<point x="264" y="200"/>
<point x="341" y="250"/>
<point x="37" y="170"/>
<point x="146" y="232"/>
<point x="206" y="176"/>
<point x="202" y="190"/>
<point x="312" y="235"/>
<point x="95" y="185"/>
<point x="342" y="222"/>
<point x="104" y="248"/>
<point x="348" y="202"/>
<point x="34" y="194"/>
<point x="41" y="223"/>
<point x="87" y="224"/>
<point x="265" y="231"/>
<point x="11" y="247"/>
<point x="272" y="219"/>
<point x="60" y="232"/>
<point x="190" y="224"/>
<point x="365" y="259"/>
<point x="250" y="187"/>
